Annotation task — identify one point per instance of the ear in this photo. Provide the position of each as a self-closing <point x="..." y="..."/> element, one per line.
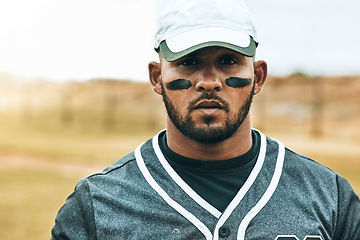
<point x="260" y="71"/>
<point x="155" y="76"/>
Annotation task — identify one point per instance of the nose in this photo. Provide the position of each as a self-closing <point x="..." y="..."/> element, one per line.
<point x="208" y="80"/>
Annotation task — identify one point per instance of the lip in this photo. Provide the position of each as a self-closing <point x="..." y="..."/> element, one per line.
<point x="208" y="106"/>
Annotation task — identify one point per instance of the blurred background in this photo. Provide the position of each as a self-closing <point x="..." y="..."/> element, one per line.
<point x="75" y="97"/>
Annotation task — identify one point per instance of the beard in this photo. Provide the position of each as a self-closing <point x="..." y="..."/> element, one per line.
<point x="207" y="134"/>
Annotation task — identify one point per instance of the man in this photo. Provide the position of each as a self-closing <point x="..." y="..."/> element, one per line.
<point x="209" y="175"/>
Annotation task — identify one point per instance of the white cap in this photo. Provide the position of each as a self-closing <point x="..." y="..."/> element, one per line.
<point x="185" y="26"/>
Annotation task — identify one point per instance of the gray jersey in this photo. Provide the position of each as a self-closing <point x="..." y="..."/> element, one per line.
<point x="286" y="197"/>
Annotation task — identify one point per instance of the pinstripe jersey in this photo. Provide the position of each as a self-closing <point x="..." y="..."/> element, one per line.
<point x="286" y="197"/>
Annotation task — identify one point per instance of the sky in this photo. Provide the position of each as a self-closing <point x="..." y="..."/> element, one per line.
<point x="61" y="40"/>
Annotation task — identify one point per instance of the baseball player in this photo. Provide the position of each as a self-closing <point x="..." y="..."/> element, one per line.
<point x="210" y="175"/>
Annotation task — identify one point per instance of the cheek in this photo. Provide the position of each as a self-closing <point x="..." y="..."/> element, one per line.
<point x="177" y="98"/>
<point x="236" y="82"/>
<point x="179" y="84"/>
<point x="238" y="97"/>
<point x="178" y="93"/>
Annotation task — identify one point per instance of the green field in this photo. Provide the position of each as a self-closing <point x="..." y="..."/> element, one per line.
<point x="29" y="199"/>
<point x="40" y="169"/>
<point x="53" y="135"/>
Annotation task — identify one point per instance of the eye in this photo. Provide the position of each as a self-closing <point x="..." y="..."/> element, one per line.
<point x="227" y="61"/>
<point x="188" y="62"/>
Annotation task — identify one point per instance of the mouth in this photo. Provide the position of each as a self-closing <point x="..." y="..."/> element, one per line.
<point x="209" y="106"/>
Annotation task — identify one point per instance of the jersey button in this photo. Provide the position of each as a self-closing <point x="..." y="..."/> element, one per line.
<point x="224" y="231"/>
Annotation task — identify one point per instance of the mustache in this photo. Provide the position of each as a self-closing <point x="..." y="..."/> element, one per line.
<point x="209" y="96"/>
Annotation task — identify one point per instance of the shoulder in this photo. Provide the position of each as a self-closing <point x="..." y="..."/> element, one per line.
<point x="304" y="174"/>
<point x="316" y="191"/>
<point x="118" y="166"/>
<point x="297" y="162"/>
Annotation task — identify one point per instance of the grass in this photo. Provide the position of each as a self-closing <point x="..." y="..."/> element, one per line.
<point x="73" y="149"/>
<point x="30" y="200"/>
<point x="68" y="145"/>
<point x="31" y="196"/>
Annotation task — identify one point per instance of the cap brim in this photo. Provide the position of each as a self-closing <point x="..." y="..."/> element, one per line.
<point x="171" y="56"/>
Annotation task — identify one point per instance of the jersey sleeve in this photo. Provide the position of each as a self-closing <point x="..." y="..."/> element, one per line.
<point x="75" y="219"/>
<point x="348" y="224"/>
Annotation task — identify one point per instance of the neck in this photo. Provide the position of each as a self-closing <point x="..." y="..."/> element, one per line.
<point x="236" y="145"/>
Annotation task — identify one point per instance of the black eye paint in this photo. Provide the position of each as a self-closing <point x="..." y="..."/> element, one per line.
<point x="179" y="84"/>
<point x="235" y="82"/>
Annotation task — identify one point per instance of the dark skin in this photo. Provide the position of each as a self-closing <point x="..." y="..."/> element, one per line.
<point x="208" y="70"/>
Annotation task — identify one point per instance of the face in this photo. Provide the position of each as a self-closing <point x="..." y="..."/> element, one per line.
<point x="208" y="94"/>
<point x="208" y="132"/>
